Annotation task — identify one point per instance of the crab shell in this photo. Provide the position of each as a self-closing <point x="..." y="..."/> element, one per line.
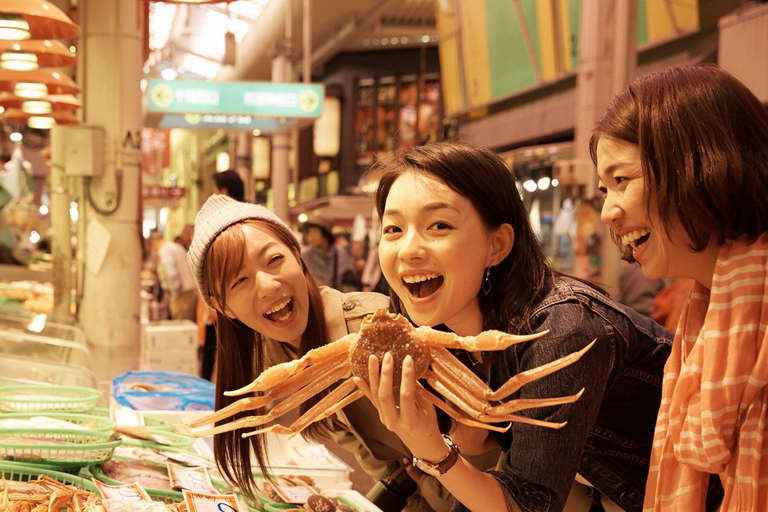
<point x="384" y="332"/>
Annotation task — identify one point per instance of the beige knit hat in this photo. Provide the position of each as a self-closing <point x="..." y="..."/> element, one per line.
<point x="217" y="214"/>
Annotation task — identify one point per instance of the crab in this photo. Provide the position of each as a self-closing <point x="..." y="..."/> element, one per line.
<point x="382" y="332"/>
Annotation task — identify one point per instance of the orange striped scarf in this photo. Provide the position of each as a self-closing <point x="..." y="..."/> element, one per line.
<point x="714" y="397"/>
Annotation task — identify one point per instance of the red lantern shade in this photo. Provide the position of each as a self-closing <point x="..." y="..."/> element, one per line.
<point x="15" y="115"/>
<point x="46" y="21"/>
<point x="50" y="53"/>
<point x="57" y="101"/>
<point x="56" y="83"/>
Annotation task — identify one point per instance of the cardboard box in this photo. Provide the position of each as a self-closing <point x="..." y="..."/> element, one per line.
<point x="169" y="345"/>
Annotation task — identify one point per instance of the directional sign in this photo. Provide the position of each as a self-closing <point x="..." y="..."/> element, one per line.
<point x="237" y="98"/>
<point x="226" y="122"/>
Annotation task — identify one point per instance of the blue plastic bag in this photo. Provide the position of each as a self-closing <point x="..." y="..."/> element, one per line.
<point x="165" y="391"/>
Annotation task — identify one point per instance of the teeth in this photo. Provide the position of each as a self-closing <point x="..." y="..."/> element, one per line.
<point x="632" y="236"/>
<point x="278" y="307"/>
<point x="418" y="279"/>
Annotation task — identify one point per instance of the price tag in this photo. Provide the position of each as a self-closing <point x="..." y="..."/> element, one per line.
<point x="127" y="417"/>
<point x="193" y="479"/>
<point x="202" y="502"/>
<point x="314" y="453"/>
<point x="127" y="492"/>
<point x="297" y="495"/>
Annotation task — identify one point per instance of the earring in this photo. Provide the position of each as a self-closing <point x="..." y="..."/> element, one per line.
<point x="487" y="281"/>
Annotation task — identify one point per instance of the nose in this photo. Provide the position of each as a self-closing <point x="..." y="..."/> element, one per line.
<point x="266" y="284"/>
<point x="611" y="212"/>
<point x="412" y="246"/>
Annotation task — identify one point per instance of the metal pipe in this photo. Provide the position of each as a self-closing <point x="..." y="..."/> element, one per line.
<point x="307" y="41"/>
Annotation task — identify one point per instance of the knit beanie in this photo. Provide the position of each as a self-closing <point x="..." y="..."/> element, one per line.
<point x="217" y="214"/>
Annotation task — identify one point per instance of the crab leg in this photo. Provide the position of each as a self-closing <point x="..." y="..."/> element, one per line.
<point x="450" y="411"/>
<point x="486" y="340"/>
<point x="529" y="403"/>
<point x="286" y="387"/>
<point x="280" y="372"/>
<point x="527" y="376"/>
<point x="448" y="366"/>
<point x="292" y="402"/>
<point x="337" y="399"/>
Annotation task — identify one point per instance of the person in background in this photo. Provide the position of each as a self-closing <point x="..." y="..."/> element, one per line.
<point x="187" y="233"/>
<point x="330" y="264"/>
<point x="636" y="290"/>
<point x="175" y="277"/>
<point x="230" y="184"/>
<point x="682" y="163"/>
<point x="458" y="251"/>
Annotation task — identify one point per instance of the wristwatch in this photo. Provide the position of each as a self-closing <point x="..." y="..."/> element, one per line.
<point x="442" y="466"/>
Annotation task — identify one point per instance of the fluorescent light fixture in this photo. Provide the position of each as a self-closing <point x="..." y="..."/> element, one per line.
<point x="36" y="107"/>
<point x="30" y="90"/>
<point x="15" y="137"/>
<point x="41" y="122"/>
<point x="19" y="61"/>
<point x="13" y="27"/>
<point x="543" y="183"/>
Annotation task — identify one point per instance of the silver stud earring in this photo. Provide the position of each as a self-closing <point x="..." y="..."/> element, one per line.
<point x="487" y="281"/>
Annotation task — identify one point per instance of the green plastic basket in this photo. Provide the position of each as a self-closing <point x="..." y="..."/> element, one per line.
<point x="25" y="472"/>
<point x="152" y="422"/>
<point x="88" y="421"/>
<point x="47" y="398"/>
<point x="62" y="448"/>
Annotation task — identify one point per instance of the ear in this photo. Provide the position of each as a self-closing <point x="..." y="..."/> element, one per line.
<point x="501" y="243"/>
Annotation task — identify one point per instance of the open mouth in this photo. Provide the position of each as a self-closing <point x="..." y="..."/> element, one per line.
<point x="281" y="312"/>
<point x="635" y="239"/>
<point x="423" y="286"/>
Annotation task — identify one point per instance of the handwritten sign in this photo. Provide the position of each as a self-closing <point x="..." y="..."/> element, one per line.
<point x="193" y="479"/>
<point x="202" y="502"/>
<point x="127" y="492"/>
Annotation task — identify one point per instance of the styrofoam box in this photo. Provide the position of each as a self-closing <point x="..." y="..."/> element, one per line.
<point x="169" y="345"/>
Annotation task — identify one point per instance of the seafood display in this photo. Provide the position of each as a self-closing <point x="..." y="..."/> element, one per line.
<point x="151" y="475"/>
<point x="383" y="332"/>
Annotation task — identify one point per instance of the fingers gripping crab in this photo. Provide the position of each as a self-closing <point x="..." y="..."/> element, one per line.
<point x="383" y="332"/>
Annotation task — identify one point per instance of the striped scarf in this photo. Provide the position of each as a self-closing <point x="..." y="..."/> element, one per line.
<point x="714" y="397"/>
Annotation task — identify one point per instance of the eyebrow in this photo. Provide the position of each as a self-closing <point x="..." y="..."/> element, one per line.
<point x="615" y="166"/>
<point x="428" y="207"/>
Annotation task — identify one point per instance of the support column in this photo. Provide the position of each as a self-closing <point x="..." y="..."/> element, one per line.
<point x="607" y="59"/>
<point x="111" y="53"/>
<point x="281" y="146"/>
<point x="61" y="228"/>
<point x="243" y="162"/>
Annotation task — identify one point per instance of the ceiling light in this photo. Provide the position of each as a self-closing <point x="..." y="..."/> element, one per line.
<point x="39" y="18"/>
<point x="529" y="185"/>
<point x="46" y="53"/>
<point x="15" y="137"/>
<point x="20" y="61"/>
<point x="13" y="27"/>
<point x="555" y="182"/>
<point x="41" y="122"/>
<point x="36" y="107"/>
<point x="543" y="183"/>
<point x="169" y="74"/>
<point x="30" y="90"/>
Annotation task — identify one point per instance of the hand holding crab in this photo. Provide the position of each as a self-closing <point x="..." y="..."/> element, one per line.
<point x="382" y="333"/>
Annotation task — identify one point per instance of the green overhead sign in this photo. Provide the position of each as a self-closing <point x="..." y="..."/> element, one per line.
<point x="246" y="98"/>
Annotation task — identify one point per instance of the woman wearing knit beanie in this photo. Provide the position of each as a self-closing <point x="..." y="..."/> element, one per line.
<point x="248" y="267"/>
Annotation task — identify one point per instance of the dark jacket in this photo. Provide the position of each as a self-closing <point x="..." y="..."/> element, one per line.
<point x="609" y="430"/>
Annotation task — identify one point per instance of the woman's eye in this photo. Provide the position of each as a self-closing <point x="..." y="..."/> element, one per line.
<point x="441" y="225"/>
<point x="275" y="258"/>
<point x="619" y="180"/>
<point x="387" y="230"/>
<point x="236" y="282"/>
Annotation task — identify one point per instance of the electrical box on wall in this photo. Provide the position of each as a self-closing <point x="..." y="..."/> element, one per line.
<point x="84" y="151"/>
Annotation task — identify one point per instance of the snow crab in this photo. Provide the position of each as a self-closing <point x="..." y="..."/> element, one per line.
<point x="382" y="332"/>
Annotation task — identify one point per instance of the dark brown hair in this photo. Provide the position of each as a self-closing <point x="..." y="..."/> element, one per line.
<point x="523" y="278"/>
<point x="703" y="140"/>
<point x="240" y="354"/>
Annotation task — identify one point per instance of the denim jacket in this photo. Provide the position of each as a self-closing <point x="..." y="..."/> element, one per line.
<point x="609" y="430"/>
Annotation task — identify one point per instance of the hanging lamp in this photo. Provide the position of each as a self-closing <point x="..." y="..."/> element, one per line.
<point x="34" y="54"/>
<point x="190" y="2"/>
<point x="57" y="101"/>
<point x="60" y="117"/>
<point x="36" y="83"/>
<point x="39" y="18"/>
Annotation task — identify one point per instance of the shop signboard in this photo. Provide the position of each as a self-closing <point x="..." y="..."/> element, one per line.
<point x="238" y="98"/>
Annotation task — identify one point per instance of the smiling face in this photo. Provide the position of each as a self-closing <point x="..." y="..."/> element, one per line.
<point x="269" y="292"/>
<point x="434" y="251"/>
<point x="661" y="254"/>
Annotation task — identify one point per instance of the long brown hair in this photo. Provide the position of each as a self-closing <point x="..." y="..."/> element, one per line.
<point x="240" y="353"/>
<point x="703" y="140"/>
<point x="523" y="278"/>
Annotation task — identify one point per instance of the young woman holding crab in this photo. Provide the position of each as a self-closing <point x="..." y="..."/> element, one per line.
<point x="682" y="162"/>
<point x="248" y="268"/>
<point x="458" y="250"/>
